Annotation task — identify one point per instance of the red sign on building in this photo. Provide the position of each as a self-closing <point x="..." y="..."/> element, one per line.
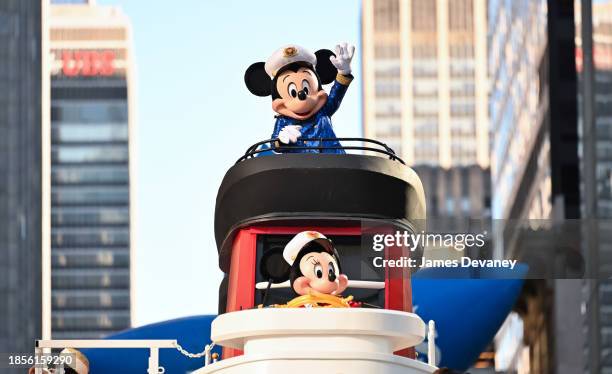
<point x="88" y="63"/>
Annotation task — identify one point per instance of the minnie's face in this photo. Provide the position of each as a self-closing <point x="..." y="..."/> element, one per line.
<point x="299" y="92"/>
<point x="320" y="273"/>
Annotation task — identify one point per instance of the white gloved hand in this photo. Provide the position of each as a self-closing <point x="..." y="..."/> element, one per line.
<point x="342" y="60"/>
<point x="289" y="134"/>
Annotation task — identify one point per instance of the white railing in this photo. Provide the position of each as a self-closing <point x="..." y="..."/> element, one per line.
<point x="153" y="346"/>
<point x="431" y="343"/>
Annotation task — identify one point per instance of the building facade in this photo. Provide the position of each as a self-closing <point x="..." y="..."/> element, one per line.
<point x="594" y="38"/>
<point x="424" y="79"/>
<point x="425" y="95"/>
<point x="536" y="176"/>
<point x="91" y="179"/>
<point x="23" y="141"/>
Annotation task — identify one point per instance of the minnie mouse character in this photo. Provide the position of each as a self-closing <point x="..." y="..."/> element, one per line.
<point x="294" y="77"/>
<point x="315" y="265"/>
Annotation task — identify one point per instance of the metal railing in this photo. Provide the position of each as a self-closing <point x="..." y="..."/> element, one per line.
<point x="152" y="345"/>
<point x="276" y="146"/>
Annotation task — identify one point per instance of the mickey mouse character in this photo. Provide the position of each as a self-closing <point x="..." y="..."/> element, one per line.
<point x="294" y="77"/>
<point x="315" y="265"/>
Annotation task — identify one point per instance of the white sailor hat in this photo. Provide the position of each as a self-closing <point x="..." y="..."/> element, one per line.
<point x="78" y="362"/>
<point x="288" y="55"/>
<point x="299" y="241"/>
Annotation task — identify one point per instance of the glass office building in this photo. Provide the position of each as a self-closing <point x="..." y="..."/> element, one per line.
<point x="23" y="214"/>
<point x="535" y="176"/>
<point x="91" y="212"/>
<point x="595" y="96"/>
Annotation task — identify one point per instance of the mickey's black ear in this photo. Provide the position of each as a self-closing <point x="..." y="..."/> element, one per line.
<point x="257" y="80"/>
<point x="326" y="70"/>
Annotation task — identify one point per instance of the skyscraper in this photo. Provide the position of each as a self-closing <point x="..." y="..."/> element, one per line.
<point x="535" y="174"/>
<point x="92" y="121"/>
<point x="593" y="21"/>
<point x="425" y="81"/>
<point x="23" y="193"/>
<point x="425" y="95"/>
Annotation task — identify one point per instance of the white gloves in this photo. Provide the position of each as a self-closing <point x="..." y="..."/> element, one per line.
<point x="289" y="134"/>
<point x="342" y="60"/>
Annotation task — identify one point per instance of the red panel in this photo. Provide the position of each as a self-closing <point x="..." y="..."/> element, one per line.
<point x="398" y="290"/>
<point x="241" y="277"/>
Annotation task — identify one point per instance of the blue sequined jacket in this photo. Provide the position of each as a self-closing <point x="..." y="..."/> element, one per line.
<point x="319" y="125"/>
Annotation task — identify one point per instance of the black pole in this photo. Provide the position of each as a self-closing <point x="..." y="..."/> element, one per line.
<point x="589" y="170"/>
<point x="265" y="298"/>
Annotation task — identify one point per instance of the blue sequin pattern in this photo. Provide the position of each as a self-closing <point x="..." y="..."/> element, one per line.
<point x="317" y="126"/>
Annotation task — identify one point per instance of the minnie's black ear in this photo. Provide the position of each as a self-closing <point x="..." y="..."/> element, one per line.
<point x="326" y="70"/>
<point x="257" y="80"/>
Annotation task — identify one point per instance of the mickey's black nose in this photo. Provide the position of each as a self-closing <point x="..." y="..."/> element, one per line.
<point x="302" y="95"/>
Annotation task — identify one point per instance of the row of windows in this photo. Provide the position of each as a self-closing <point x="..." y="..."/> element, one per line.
<point x="424" y="51"/>
<point x="89" y="133"/>
<point x="83" y="334"/>
<point x="466" y="134"/>
<point x="386" y="15"/>
<point x="458" y="51"/>
<point x="390" y="72"/>
<point x="604" y="151"/>
<point x="90" y="299"/>
<point x="82" y="195"/>
<point x="426" y="129"/>
<point x="463" y="143"/>
<point x="82" y="216"/>
<point x="97" y="153"/>
<point x="88" y="34"/>
<point x="392" y="105"/>
<point x="423" y="15"/>
<point x="120" y="54"/>
<point x="390" y="89"/>
<point x="462" y="109"/>
<point x="460" y="15"/>
<point x="463" y="157"/>
<point x="389" y="131"/>
<point x="389" y="51"/>
<point x="388" y="115"/>
<point x="80" y="111"/>
<point x="462" y="72"/>
<point x="462" y="88"/>
<point x="73" y="237"/>
<point x="110" y="320"/>
<point x="429" y="157"/>
<point x="425" y="88"/>
<point x="426" y="69"/>
<point x="116" y="174"/>
<point x="90" y="278"/>
<point x="84" y="258"/>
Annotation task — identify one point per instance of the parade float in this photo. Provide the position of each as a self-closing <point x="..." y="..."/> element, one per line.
<point x="338" y="313"/>
<point x="263" y="202"/>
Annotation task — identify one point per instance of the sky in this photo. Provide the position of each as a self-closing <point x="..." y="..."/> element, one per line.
<point x="195" y="118"/>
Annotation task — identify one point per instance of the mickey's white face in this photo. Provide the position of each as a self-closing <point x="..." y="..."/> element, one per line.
<point x="321" y="274"/>
<point x="300" y="97"/>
